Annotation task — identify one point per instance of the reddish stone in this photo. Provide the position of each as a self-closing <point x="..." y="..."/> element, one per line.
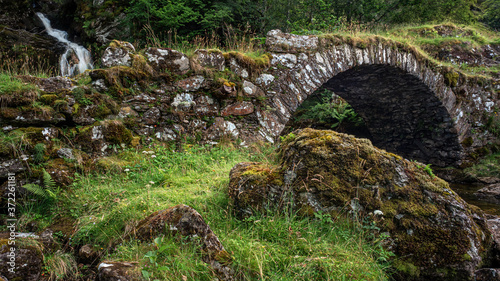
<point x="238" y="108"/>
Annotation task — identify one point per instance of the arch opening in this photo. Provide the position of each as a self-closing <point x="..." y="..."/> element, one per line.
<point x="401" y="113"/>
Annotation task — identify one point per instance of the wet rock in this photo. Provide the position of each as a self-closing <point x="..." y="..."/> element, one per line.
<point x="118" y="271"/>
<point x="152" y="116"/>
<point x="100" y="85"/>
<point x="186" y="221"/>
<point x="488" y="180"/>
<point x="432" y="230"/>
<point x="47" y="239"/>
<point x="490" y="193"/>
<point x="210" y="58"/>
<point x="118" y="53"/>
<point x="167" y="60"/>
<point x="277" y="41"/>
<point x="487" y="274"/>
<point x="238" y="108"/>
<point x="191" y="84"/>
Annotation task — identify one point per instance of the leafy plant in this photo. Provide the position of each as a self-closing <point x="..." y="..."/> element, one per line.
<point x="334" y="112"/>
<point x="39" y="150"/>
<point x="48" y="192"/>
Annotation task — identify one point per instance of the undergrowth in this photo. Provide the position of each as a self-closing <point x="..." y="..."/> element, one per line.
<point x="266" y="246"/>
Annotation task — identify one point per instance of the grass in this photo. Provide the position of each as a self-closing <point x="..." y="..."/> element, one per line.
<point x="11" y="86"/>
<point x="267" y="246"/>
<point x="489" y="166"/>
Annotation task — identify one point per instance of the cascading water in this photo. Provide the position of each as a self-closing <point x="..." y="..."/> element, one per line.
<point x="69" y="66"/>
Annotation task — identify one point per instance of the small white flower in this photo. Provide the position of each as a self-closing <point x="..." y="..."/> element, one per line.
<point x="153" y="156"/>
<point x="127" y="170"/>
<point x="148" y="186"/>
<point x="151" y="182"/>
<point x="378" y="213"/>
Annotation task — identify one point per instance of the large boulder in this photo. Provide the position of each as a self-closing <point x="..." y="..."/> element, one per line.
<point x="168" y="60"/>
<point x="435" y="234"/>
<point x="21" y="257"/>
<point x="118" y="53"/>
<point x="186" y="221"/>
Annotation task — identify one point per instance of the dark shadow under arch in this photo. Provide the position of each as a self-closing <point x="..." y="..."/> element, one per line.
<point x="402" y="114"/>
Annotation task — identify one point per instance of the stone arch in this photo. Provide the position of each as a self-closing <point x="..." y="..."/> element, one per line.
<point x="402" y="113"/>
<point x="449" y="105"/>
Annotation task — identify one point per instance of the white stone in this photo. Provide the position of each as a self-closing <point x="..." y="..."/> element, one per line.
<point x="265" y="79"/>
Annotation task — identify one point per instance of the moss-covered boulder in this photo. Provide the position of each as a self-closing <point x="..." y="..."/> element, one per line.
<point x="21" y="257"/>
<point x="186" y="221"/>
<point x="435" y="234"/>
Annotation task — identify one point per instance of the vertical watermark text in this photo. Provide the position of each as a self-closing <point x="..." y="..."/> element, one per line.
<point x="11" y="221"/>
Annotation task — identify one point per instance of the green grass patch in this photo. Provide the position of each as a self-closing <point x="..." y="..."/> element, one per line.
<point x="487" y="167"/>
<point x="269" y="246"/>
<point x="11" y="86"/>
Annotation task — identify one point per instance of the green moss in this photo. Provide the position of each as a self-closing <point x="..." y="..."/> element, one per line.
<point x="467" y="142"/>
<point x="451" y="78"/>
<point x="115" y="132"/>
<point x="48" y="99"/>
<point x="406" y="268"/>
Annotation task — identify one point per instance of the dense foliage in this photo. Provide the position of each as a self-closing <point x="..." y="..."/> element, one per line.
<point x="193" y="17"/>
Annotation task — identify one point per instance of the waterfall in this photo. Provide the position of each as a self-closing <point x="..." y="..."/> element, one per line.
<point x="67" y="63"/>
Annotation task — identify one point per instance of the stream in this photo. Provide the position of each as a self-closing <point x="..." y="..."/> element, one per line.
<point x="68" y="64"/>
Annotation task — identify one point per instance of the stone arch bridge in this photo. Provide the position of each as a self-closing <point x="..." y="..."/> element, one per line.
<point x="411" y="105"/>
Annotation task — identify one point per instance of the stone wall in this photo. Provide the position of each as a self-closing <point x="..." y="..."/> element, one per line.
<point x="412" y="106"/>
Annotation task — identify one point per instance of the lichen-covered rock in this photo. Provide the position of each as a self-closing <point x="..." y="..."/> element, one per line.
<point x="238" y="108"/>
<point x="205" y="105"/>
<point x="24" y="263"/>
<point x="191" y="84"/>
<point x="210" y="59"/>
<point x="490" y="193"/>
<point x="152" y="116"/>
<point x="118" y="271"/>
<point x="221" y="128"/>
<point x="435" y="233"/>
<point x="50" y="84"/>
<point x="118" y="54"/>
<point x="249" y="89"/>
<point x="168" y="60"/>
<point x="277" y="41"/>
<point x="186" y="221"/>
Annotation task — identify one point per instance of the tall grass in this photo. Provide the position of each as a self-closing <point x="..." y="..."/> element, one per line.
<point x="267" y="246"/>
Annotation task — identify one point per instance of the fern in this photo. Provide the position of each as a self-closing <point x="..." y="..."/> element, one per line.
<point x="39" y="151"/>
<point x="36" y="190"/>
<point x="48" y="192"/>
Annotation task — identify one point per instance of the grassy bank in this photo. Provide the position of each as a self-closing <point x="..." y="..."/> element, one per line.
<point x="106" y="206"/>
